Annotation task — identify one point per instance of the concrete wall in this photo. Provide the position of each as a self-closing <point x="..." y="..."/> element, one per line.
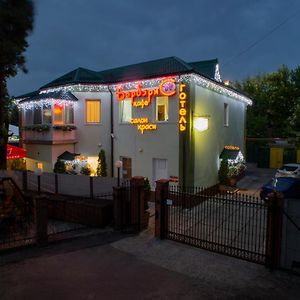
<point x="290" y="247"/>
<point x="210" y="143"/>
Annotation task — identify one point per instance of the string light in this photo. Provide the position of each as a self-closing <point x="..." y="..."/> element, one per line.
<point x="44" y="102"/>
<point x="78" y="88"/>
<point x="217" y="76"/>
<point x="209" y="84"/>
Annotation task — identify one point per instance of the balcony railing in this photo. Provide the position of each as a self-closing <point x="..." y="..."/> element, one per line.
<point x="49" y="133"/>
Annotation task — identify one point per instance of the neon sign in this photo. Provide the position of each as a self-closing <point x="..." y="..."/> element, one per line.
<point x="143" y="124"/>
<point x="182" y="107"/>
<point x="167" y="87"/>
<point x="231" y="147"/>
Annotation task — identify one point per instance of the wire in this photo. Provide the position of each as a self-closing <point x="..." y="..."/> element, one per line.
<point x="263" y="37"/>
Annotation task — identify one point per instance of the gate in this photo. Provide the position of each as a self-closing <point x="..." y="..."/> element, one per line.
<point x="231" y="224"/>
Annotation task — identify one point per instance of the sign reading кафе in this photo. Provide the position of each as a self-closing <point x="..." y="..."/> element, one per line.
<point x="141" y="98"/>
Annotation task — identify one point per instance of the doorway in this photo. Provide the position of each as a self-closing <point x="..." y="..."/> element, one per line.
<point x="127" y="167"/>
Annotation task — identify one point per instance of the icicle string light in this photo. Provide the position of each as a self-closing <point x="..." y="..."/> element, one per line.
<point x="47" y="102"/>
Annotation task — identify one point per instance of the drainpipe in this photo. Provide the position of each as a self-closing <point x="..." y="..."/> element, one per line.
<point x="111" y="133"/>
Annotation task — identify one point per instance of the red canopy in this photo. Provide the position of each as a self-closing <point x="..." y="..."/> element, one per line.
<point x="14" y="152"/>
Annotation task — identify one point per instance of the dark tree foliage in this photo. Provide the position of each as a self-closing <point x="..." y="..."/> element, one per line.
<point x="16" y="22"/>
<point x="275" y="99"/>
<point x="102" y="167"/>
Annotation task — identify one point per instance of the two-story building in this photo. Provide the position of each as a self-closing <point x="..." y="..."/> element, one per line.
<point x="163" y="119"/>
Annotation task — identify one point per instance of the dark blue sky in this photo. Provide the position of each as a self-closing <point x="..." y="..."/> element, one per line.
<point x="102" y="34"/>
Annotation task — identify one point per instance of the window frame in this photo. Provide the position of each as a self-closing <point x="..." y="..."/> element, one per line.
<point x="226" y="115"/>
<point x="121" y="103"/>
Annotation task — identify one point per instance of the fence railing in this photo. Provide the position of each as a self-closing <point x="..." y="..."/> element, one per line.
<point x="65" y="184"/>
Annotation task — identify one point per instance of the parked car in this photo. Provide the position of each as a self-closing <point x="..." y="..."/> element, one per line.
<point x="289" y="170"/>
<point x="290" y="187"/>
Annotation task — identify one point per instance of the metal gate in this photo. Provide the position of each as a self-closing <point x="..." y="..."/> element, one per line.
<point x="231" y="224"/>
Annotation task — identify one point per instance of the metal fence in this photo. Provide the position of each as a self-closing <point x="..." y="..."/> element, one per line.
<point x="232" y="224"/>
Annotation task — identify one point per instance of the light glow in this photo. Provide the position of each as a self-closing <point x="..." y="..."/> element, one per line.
<point x="200" y="123"/>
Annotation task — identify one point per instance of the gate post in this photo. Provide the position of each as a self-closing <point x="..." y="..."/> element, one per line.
<point x="161" y="192"/>
<point x="41" y="220"/>
<point x="137" y="201"/>
<point x="119" y="207"/>
<point x="274" y="229"/>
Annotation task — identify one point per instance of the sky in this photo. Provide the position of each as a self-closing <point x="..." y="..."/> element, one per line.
<point x="103" y="34"/>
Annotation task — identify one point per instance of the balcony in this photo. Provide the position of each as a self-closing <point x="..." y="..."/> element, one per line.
<point x="47" y="134"/>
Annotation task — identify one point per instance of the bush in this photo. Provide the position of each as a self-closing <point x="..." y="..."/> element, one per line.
<point x="59" y="167"/>
<point x="85" y="171"/>
<point x="223" y="172"/>
<point x="102" y="167"/>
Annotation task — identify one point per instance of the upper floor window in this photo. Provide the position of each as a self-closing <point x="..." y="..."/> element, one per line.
<point x="162" y="108"/>
<point x="92" y="111"/>
<point x="226" y="114"/>
<point x="125" y="107"/>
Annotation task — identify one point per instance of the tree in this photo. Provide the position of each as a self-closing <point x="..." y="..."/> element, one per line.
<point x="102" y="167"/>
<point x="223" y="172"/>
<point x="59" y="167"/>
<point x="16" y="22"/>
<point x="275" y="97"/>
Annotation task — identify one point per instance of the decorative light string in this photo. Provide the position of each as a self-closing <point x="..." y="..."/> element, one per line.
<point x="77" y="88"/>
<point x="213" y="86"/>
<point x="45" y="102"/>
<point x="217" y="76"/>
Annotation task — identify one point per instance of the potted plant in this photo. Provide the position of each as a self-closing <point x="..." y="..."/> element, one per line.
<point x="223" y="174"/>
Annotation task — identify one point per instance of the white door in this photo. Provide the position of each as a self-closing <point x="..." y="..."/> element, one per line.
<point x="160" y="169"/>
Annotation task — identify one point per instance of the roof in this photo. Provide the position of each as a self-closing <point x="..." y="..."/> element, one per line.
<point x="67" y="156"/>
<point x="79" y="75"/>
<point x="145" y="70"/>
<point x="63" y="95"/>
<point x="205" y="67"/>
<point x="154" y="68"/>
<point x="229" y="154"/>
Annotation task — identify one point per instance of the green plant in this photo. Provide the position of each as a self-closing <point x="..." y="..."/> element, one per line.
<point x="85" y="171"/>
<point x="223" y="172"/>
<point x="59" y="167"/>
<point x="64" y="127"/>
<point x="101" y="167"/>
<point x="39" y="128"/>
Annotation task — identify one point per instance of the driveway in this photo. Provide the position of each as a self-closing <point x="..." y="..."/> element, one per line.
<point x="254" y="179"/>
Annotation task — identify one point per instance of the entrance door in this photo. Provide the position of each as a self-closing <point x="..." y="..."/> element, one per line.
<point x="126" y="169"/>
<point x="160" y="169"/>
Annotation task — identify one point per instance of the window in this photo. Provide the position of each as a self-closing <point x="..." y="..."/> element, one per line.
<point x="37" y="115"/>
<point x="226" y="114"/>
<point x="28" y="117"/>
<point x="92" y="110"/>
<point x="162" y="109"/>
<point x="58" y="114"/>
<point x="125" y="111"/>
<point x="69" y="114"/>
<point x="47" y="115"/>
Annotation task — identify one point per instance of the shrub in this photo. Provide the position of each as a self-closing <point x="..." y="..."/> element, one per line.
<point x="102" y="167"/>
<point x="85" y="171"/>
<point x="223" y="172"/>
<point x="59" y="167"/>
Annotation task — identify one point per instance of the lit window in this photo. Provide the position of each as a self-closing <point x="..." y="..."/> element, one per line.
<point x="162" y="109"/>
<point x="125" y="111"/>
<point x="58" y="114"/>
<point x="69" y="114"/>
<point x="226" y="114"/>
<point x="92" y="109"/>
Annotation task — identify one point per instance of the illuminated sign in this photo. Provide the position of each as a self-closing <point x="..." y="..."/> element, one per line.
<point x="143" y="124"/>
<point x="182" y="107"/>
<point x="231" y="147"/>
<point x="166" y="88"/>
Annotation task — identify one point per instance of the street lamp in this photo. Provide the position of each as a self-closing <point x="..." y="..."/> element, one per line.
<point x="118" y="165"/>
<point x="39" y="171"/>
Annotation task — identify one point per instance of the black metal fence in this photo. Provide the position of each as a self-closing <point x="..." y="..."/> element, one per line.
<point x="16" y="217"/>
<point x="232" y="224"/>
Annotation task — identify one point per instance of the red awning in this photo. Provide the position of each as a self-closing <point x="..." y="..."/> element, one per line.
<point x="14" y="152"/>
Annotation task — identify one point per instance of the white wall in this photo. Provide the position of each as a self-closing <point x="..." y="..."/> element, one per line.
<point x="210" y="143"/>
<point x="89" y="136"/>
<point x="162" y="143"/>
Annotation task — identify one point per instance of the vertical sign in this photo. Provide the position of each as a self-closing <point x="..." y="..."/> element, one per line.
<point x="182" y="107"/>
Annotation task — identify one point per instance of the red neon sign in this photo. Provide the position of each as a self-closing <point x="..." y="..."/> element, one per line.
<point x="166" y="88"/>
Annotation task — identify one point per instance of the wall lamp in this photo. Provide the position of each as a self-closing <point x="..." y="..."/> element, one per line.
<point x="201" y="123"/>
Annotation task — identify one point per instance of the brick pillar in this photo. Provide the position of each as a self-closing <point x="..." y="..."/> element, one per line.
<point x="274" y="229"/>
<point x="137" y="201"/>
<point x="161" y="192"/>
<point x="41" y="220"/>
<point x="119" y="194"/>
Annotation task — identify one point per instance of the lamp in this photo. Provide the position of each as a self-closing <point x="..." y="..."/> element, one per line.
<point x="118" y="165"/>
<point x="200" y="123"/>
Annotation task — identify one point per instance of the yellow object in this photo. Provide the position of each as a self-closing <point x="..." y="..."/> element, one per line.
<point x="276" y="157"/>
<point x="92" y="111"/>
